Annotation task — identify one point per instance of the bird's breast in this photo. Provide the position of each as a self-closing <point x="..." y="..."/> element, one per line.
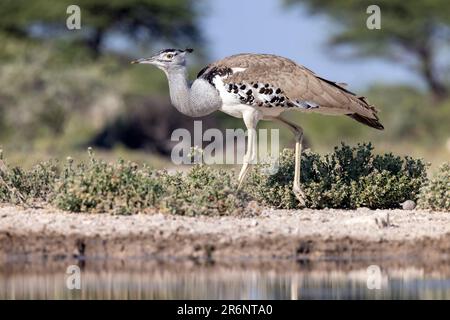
<point x="204" y="98"/>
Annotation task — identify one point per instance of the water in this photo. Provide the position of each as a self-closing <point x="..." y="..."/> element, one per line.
<point x="153" y="279"/>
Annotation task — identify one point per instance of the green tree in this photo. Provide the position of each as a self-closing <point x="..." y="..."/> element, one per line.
<point x="167" y="21"/>
<point x="412" y="33"/>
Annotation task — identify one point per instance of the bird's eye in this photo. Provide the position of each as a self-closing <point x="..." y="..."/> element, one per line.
<point x="169" y="56"/>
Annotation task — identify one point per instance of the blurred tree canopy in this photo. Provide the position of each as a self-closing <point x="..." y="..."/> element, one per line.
<point x="167" y="21"/>
<point x="55" y="96"/>
<point x="412" y="33"/>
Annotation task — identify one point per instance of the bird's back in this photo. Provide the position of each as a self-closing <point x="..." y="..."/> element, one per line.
<point x="271" y="81"/>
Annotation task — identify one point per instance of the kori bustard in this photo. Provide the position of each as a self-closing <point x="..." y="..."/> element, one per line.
<point x="259" y="87"/>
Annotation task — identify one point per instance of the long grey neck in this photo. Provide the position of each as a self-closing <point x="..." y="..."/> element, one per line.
<point x="179" y="89"/>
<point x="196" y="101"/>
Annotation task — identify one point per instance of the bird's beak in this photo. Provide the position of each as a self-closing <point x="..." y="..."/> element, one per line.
<point x="144" y="61"/>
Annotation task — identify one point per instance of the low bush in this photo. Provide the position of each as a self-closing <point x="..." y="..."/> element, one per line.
<point x="18" y="185"/>
<point x="204" y="190"/>
<point x="435" y="194"/>
<point x="124" y="188"/>
<point x="347" y="178"/>
<point x="119" y="188"/>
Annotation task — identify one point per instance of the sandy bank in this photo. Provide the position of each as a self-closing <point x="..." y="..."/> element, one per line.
<point x="281" y="234"/>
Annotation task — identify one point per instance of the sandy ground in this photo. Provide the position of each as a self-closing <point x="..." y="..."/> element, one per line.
<point x="275" y="234"/>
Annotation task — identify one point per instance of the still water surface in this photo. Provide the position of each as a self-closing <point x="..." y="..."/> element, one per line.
<point x="150" y="280"/>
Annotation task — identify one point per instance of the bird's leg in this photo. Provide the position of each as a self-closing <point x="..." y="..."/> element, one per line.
<point x="250" y="121"/>
<point x="249" y="157"/>
<point x="298" y="133"/>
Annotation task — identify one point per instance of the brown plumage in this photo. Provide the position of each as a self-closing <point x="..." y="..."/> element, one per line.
<point x="295" y="82"/>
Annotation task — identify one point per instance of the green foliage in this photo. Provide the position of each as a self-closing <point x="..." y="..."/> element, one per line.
<point x="204" y="190"/>
<point x="144" y="20"/>
<point x="347" y="178"/>
<point x="43" y="100"/>
<point x="18" y="185"/>
<point x="411" y="116"/>
<point x="125" y="188"/>
<point x="435" y="194"/>
<point x="120" y="188"/>
<point x="52" y="91"/>
<point x="40" y="100"/>
<point x="409" y="29"/>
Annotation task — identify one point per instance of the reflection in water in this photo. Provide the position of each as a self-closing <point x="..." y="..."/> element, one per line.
<point x="175" y="281"/>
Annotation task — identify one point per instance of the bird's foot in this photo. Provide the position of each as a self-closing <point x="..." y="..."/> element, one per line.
<point x="243" y="174"/>
<point x="300" y="195"/>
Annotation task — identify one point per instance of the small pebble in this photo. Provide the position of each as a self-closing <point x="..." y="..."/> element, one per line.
<point x="408" y="205"/>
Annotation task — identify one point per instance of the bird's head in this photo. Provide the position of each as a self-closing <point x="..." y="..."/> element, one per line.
<point x="166" y="59"/>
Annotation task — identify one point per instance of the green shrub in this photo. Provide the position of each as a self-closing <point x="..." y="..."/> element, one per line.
<point x="347" y="178"/>
<point x="120" y="188"/>
<point x="435" y="194"/>
<point x="204" y="190"/>
<point x="18" y="185"/>
<point x="124" y="188"/>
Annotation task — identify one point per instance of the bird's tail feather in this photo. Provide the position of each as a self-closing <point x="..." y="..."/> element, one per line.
<point x="374" y="123"/>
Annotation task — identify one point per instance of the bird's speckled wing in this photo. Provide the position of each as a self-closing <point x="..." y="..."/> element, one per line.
<point x="273" y="78"/>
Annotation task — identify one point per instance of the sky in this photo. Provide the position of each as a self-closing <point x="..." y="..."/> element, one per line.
<point x="265" y="26"/>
